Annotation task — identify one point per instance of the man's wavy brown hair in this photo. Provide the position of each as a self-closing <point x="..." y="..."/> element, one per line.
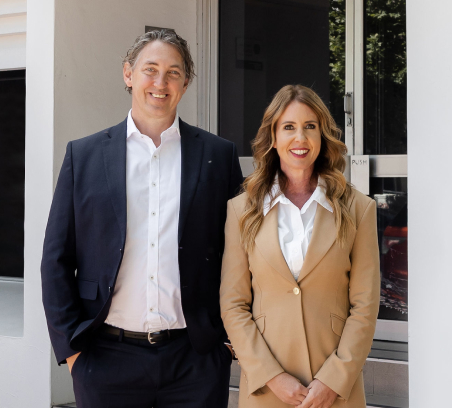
<point x="330" y="165"/>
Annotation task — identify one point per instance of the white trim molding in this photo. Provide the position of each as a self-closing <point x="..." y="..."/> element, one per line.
<point x="207" y="64"/>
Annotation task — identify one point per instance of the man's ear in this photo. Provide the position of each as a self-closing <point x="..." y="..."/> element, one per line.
<point x="127" y="74"/>
<point x="185" y="84"/>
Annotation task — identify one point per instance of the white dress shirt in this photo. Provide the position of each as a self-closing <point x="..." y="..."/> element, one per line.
<point x="294" y="225"/>
<point x="147" y="294"/>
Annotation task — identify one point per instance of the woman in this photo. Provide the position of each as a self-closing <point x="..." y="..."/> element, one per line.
<point x="300" y="280"/>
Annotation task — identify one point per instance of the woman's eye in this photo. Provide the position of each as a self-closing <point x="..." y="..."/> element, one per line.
<point x="288" y="127"/>
<point x="310" y="126"/>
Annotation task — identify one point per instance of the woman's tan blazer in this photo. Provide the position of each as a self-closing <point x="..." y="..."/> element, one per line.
<point x="320" y="326"/>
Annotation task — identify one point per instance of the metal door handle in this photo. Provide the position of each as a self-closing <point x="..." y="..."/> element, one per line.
<point x="348" y="103"/>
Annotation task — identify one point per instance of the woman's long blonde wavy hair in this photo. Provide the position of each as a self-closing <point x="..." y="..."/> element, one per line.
<point x="330" y="164"/>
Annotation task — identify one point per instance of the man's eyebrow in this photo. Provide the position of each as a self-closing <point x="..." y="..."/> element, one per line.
<point x="155" y="63"/>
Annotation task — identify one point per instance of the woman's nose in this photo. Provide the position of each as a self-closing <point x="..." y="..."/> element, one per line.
<point x="300" y="135"/>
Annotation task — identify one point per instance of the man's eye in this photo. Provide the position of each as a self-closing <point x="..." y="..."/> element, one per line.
<point x="174" y="73"/>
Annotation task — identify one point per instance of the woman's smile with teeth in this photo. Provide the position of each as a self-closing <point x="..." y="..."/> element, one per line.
<point x="161" y="96"/>
<point x="299" y="152"/>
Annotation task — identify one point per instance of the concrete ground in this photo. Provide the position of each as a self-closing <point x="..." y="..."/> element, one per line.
<point x="11" y="308"/>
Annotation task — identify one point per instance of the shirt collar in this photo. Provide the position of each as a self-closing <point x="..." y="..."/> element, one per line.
<point x="132" y="128"/>
<point x="318" y="195"/>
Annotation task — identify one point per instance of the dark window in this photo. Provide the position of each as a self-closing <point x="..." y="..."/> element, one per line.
<point x="266" y="44"/>
<point x="385" y="80"/>
<point x="12" y="172"/>
<point x="391" y="196"/>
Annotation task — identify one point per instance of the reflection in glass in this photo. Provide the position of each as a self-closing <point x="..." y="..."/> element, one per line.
<point x="385" y="80"/>
<point x="392" y="216"/>
<point x="266" y="44"/>
<point x="12" y="172"/>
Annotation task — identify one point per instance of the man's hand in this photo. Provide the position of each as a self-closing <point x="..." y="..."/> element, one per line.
<point x="71" y="360"/>
<point x="288" y="389"/>
<point x="320" y="396"/>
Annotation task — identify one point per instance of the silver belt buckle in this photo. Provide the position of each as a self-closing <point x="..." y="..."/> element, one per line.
<point x="150" y="338"/>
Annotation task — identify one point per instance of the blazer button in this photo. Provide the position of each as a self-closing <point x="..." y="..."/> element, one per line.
<point x="296" y="291"/>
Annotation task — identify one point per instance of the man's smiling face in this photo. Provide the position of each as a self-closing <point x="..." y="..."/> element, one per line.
<point x="157" y="79"/>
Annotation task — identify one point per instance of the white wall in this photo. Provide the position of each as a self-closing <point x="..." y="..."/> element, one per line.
<point x="429" y="34"/>
<point x="13" y="27"/>
<point x="25" y="362"/>
<point x="91" y="37"/>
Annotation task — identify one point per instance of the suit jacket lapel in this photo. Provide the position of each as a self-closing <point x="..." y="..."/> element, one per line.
<point x="267" y="241"/>
<point x="191" y="153"/>
<point x="115" y="149"/>
<point x="323" y="237"/>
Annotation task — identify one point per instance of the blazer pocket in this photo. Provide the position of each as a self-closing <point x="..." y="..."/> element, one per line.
<point x="87" y="289"/>
<point x="260" y="323"/>
<point x="337" y="324"/>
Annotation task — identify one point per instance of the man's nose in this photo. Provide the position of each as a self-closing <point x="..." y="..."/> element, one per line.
<point x="160" y="81"/>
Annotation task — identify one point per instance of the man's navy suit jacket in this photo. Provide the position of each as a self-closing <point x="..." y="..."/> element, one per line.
<point x="87" y="228"/>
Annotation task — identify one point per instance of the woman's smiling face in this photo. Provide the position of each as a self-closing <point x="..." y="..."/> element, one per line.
<point x="298" y="138"/>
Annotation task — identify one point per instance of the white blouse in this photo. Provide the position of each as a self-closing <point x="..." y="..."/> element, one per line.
<point x="294" y="225"/>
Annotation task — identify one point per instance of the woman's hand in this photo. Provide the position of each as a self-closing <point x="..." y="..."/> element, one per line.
<point x="320" y="396"/>
<point x="288" y="389"/>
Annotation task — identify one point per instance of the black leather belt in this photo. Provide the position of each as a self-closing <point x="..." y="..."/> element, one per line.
<point x="153" y="338"/>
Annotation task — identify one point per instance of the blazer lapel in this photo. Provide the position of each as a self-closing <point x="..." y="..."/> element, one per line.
<point x="267" y="241"/>
<point x="323" y="237"/>
<point x="114" y="149"/>
<point x="191" y="153"/>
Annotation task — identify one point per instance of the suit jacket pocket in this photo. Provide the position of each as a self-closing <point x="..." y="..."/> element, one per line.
<point x="337" y="324"/>
<point x="87" y="289"/>
<point x="260" y="323"/>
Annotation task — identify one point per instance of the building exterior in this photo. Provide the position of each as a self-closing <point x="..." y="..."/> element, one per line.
<point x="391" y="59"/>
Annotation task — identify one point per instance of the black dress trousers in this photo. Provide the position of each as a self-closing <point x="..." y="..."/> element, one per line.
<point x="135" y="374"/>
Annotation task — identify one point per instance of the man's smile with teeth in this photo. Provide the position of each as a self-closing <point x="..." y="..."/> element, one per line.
<point x="161" y="96"/>
<point x="299" y="152"/>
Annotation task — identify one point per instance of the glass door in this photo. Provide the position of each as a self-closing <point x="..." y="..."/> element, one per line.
<point x="379" y="118"/>
<point x="353" y="54"/>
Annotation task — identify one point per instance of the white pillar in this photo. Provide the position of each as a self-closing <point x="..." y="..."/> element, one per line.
<point x="26" y="361"/>
<point x="429" y="34"/>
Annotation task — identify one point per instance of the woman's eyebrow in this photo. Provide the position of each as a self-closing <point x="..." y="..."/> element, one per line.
<point x="308" y="121"/>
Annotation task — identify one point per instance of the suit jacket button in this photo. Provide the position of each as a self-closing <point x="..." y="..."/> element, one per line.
<point x="296" y="291"/>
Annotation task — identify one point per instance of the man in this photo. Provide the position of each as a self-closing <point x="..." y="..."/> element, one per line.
<point x="133" y="247"/>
